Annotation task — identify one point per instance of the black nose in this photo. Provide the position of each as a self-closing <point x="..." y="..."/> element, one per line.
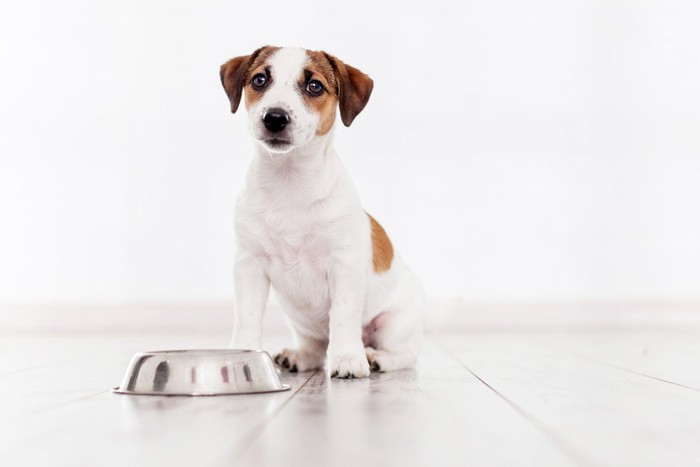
<point x="275" y="120"/>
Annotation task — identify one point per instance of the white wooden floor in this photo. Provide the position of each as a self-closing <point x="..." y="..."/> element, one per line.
<point x="615" y="396"/>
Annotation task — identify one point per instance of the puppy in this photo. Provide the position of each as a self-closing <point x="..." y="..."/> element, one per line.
<point x="301" y="229"/>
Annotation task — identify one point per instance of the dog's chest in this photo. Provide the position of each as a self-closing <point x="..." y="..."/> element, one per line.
<point x="297" y="253"/>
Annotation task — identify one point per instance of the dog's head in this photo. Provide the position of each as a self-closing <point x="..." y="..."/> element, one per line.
<point x="291" y="94"/>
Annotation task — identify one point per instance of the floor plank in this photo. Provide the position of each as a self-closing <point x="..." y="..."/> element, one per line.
<point x="612" y="417"/>
<point x="669" y="355"/>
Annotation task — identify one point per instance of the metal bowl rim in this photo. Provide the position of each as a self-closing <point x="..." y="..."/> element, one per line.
<point x="284" y="387"/>
<point x="202" y="351"/>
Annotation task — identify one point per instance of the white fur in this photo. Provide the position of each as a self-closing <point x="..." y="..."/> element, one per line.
<point x="283" y="93"/>
<point x="300" y="227"/>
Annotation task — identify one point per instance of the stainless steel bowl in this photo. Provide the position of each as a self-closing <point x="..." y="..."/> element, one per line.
<point x="201" y="373"/>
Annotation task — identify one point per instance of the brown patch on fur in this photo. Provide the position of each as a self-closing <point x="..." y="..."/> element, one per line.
<point x="382" y="250"/>
<point x="319" y="68"/>
<point x="236" y="73"/>
<point x="354" y="89"/>
<point x="253" y="95"/>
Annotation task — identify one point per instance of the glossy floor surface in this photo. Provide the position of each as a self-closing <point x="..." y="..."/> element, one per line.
<point x="618" y="396"/>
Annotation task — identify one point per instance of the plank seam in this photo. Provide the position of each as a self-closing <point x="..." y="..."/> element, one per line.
<point x="247" y="441"/>
<point x="557" y="440"/>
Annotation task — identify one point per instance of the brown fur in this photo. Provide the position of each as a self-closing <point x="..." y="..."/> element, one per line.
<point x="354" y="89"/>
<point x="322" y="70"/>
<point x="256" y="66"/>
<point x="236" y="73"/>
<point x="382" y="249"/>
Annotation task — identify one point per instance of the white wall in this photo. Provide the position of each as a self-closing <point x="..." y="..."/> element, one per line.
<point x="513" y="150"/>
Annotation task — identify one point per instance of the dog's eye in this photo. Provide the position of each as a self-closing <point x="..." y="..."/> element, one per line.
<point x="314" y="87"/>
<point x="259" y="81"/>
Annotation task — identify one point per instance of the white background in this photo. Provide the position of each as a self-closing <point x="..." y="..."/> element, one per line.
<point x="512" y="150"/>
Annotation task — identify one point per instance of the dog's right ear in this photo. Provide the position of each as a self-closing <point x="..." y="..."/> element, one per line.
<point x="233" y="78"/>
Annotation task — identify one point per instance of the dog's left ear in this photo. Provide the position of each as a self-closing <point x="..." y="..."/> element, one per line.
<point x="354" y="90"/>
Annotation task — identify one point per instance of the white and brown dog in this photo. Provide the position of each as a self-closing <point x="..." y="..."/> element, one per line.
<point x="300" y="226"/>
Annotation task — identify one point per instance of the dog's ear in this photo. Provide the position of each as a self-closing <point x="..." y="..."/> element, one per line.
<point x="354" y="89"/>
<point x="233" y="76"/>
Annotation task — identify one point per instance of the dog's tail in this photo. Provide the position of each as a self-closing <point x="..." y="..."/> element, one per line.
<point x="441" y="312"/>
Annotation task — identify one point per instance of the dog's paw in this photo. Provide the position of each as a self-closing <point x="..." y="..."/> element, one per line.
<point x="373" y="359"/>
<point x="298" y="360"/>
<point x="349" y="366"/>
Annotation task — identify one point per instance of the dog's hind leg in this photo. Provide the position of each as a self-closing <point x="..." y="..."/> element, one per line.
<point x="393" y="340"/>
<point x="384" y="360"/>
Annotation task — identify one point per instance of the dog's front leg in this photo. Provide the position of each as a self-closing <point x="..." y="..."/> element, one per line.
<point x="252" y="289"/>
<point x="346" y="353"/>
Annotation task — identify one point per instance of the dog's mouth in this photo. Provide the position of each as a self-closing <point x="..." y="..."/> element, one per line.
<point x="277" y="142"/>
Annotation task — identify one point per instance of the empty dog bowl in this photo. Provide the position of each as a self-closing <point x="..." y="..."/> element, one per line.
<point x="201" y="373"/>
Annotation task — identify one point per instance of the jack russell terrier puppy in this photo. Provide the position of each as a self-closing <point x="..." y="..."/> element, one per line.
<point x="300" y="226"/>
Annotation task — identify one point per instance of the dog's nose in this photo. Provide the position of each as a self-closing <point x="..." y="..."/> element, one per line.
<point x="275" y="120"/>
